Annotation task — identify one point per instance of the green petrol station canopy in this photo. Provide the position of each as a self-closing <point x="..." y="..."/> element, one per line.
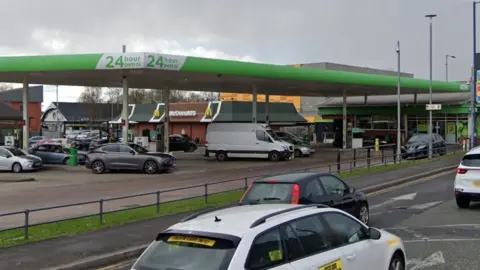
<point x="161" y="71"/>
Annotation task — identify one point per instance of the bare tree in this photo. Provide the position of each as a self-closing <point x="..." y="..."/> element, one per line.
<point x="6" y="86"/>
<point x="92" y="96"/>
<point x="114" y="95"/>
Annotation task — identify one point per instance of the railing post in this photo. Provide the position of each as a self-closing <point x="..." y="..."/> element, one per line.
<point x="354" y="158"/>
<point x="351" y="168"/>
<point x="395" y="155"/>
<point x="383" y="155"/>
<point x="100" y="212"/>
<point x="158" y="202"/>
<point x="206" y="193"/>
<point x="26" y="224"/>
<point x="338" y="161"/>
<point x="368" y="157"/>
<point x="245" y="187"/>
<point x="329" y="168"/>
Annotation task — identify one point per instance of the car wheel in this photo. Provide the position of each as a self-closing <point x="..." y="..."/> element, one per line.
<point x="150" y="167"/>
<point x="192" y="148"/>
<point x="364" y="214"/>
<point x="98" y="167"/>
<point x="463" y="202"/>
<point x="222" y="156"/>
<point x="274" y="156"/>
<point x="397" y="262"/>
<point x="17" y="167"/>
<point x="66" y="161"/>
<point x="297" y="153"/>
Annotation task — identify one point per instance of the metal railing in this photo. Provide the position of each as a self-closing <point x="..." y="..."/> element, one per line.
<point x="372" y="158"/>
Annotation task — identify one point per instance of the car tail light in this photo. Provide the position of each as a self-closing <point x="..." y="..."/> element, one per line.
<point x="461" y="171"/>
<point x="246" y="192"/>
<point x="295" y="194"/>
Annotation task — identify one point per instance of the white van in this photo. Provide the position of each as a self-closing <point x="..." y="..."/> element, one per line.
<point x="245" y="140"/>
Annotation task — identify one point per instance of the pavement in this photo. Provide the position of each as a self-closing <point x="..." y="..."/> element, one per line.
<point x="45" y="254"/>
<point x="64" y="185"/>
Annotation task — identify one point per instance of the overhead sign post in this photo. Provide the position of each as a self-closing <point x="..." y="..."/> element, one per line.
<point x="433" y="107"/>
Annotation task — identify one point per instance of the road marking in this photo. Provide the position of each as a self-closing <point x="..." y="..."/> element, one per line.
<point x="117" y="265"/>
<point x="435" y="226"/>
<point x="425" y="179"/>
<point x="442" y="240"/>
<point x="406" y="197"/>
<point x="425" y="205"/>
<point x="432" y="260"/>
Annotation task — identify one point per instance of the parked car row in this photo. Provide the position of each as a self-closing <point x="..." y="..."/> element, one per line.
<point x="289" y="221"/>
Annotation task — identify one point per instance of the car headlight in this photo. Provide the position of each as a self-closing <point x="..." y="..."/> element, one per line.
<point x="421" y="146"/>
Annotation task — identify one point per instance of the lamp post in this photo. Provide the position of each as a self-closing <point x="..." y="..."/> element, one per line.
<point x="398" y="101"/>
<point x="446" y="65"/>
<point x="473" y="109"/>
<point x="430" y="124"/>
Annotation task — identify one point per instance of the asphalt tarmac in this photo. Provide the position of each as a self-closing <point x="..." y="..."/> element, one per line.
<point x="436" y="233"/>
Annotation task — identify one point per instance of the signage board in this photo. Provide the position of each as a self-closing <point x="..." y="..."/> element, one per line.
<point x="433" y="107"/>
<point x="182" y="113"/>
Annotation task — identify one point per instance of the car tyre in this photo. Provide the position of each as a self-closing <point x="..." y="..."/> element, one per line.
<point x="397" y="262"/>
<point x="274" y="156"/>
<point x="98" y="167"/>
<point x="191" y="148"/>
<point x="297" y="153"/>
<point x="17" y="167"/>
<point x="364" y="213"/>
<point x="463" y="202"/>
<point x="222" y="156"/>
<point x="66" y="161"/>
<point x="150" y="167"/>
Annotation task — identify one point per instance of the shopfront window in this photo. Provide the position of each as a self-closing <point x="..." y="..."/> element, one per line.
<point x="384" y="122"/>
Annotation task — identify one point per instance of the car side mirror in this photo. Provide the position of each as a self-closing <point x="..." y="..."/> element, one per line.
<point x="132" y="152"/>
<point x="374" y="234"/>
<point x="8" y="156"/>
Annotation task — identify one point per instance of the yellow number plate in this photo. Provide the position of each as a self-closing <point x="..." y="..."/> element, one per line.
<point x="335" y="265"/>
<point x="191" y="239"/>
<point x="476" y="183"/>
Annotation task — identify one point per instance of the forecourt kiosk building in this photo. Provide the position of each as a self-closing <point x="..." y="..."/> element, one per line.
<point x="165" y="72"/>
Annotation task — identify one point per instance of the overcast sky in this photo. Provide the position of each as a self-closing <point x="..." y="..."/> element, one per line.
<point x="361" y="33"/>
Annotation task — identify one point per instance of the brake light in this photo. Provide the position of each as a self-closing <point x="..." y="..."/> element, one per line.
<point x="461" y="171"/>
<point x="295" y="194"/>
<point x="272" y="182"/>
<point x="246" y="192"/>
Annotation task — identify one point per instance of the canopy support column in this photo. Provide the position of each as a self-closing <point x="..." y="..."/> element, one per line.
<point x="254" y="104"/>
<point x="267" y="111"/>
<point x="26" y="118"/>
<point x="344" y="118"/>
<point x="166" y="124"/>
<point x="125" y="109"/>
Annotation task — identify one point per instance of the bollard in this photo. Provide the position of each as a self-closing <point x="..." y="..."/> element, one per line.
<point x="338" y="161"/>
<point x="368" y="157"/>
<point x="158" y="202"/>
<point x="206" y="193"/>
<point x="383" y="155"/>
<point x="246" y="184"/>
<point x="73" y="158"/>
<point x="26" y="224"/>
<point x="354" y="158"/>
<point x="100" y="212"/>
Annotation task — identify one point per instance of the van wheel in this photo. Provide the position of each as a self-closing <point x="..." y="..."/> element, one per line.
<point x="297" y="153"/>
<point x="222" y="156"/>
<point x="463" y="202"/>
<point x="274" y="156"/>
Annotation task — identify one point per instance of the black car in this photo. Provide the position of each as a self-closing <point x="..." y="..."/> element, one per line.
<point x="181" y="143"/>
<point x="308" y="188"/>
<point x="417" y="146"/>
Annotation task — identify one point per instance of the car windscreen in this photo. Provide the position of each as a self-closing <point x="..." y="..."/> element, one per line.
<point x="263" y="192"/>
<point x="472" y="160"/>
<point x="419" y="138"/>
<point x="138" y="148"/>
<point x="16" y="152"/>
<point x="186" y="252"/>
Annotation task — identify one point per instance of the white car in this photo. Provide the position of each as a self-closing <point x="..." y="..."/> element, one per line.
<point x="16" y="160"/>
<point x="467" y="180"/>
<point x="273" y="236"/>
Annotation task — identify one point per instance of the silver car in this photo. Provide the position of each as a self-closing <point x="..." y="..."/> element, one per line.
<point x="16" y="160"/>
<point x="119" y="156"/>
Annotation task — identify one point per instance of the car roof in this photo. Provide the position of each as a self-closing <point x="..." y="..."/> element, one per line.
<point x="238" y="220"/>
<point x="474" y="151"/>
<point x="290" y="177"/>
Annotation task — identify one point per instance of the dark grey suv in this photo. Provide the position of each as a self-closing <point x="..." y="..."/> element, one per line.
<point x="120" y="156"/>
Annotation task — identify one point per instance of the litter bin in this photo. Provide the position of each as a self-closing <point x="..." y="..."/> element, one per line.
<point x="73" y="156"/>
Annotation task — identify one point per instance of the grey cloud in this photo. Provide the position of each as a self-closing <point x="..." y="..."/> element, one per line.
<point x="277" y="31"/>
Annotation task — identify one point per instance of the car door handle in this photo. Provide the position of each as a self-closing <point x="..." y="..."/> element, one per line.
<point x="351" y="257"/>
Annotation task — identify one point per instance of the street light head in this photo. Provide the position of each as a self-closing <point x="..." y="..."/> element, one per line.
<point x="453" y="56"/>
<point x="430" y="16"/>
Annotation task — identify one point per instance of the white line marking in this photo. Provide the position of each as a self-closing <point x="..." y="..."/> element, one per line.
<point x="425" y="205"/>
<point x="435" y="226"/>
<point x="432" y="260"/>
<point x="406" y="197"/>
<point x="442" y="240"/>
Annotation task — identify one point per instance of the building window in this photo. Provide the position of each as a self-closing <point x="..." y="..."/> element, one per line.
<point x="21" y="108"/>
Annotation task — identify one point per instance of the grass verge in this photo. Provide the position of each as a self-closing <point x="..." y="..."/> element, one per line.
<point x="83" y="225"/>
